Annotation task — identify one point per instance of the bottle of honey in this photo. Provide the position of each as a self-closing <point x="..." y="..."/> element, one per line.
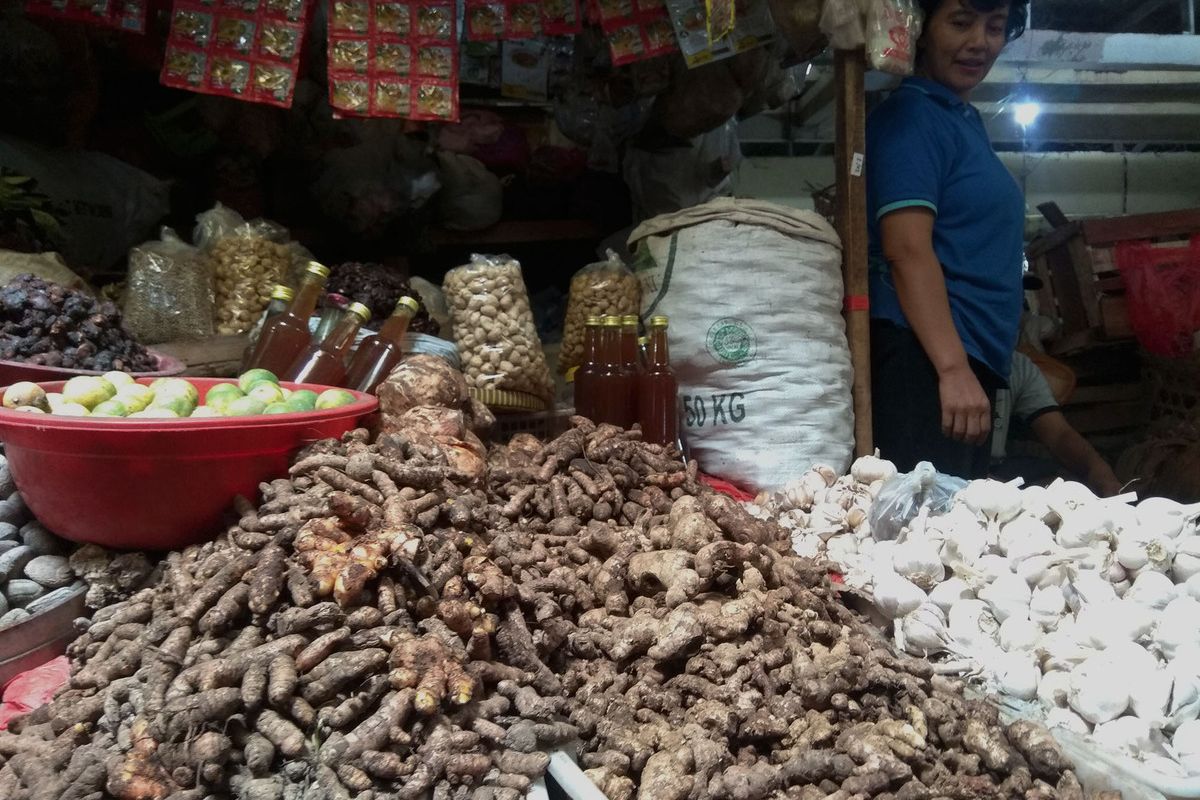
<point x="281" y="298"/>
<point x="325" y="363"/>
<point x="658" y="411"/>
<point x="615" y="384"/>
<point x="286" y="335"/>
<point x="586" y="372"/>
<point x="378" y="355"/>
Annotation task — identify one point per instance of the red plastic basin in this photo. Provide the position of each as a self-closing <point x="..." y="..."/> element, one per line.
<point x="155" y="484"/>
<point x="15" y="371"/>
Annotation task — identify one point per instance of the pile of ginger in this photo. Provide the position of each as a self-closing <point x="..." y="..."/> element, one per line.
<point x="384" y="625"/>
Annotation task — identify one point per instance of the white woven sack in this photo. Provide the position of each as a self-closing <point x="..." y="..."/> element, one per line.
<point x="758" y="343"/>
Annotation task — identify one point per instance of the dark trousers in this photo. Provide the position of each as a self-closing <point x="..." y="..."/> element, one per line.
<point x="907" y="409"/>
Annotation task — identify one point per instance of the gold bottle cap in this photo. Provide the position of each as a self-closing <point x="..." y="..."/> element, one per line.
<point x="659" y="321"/>
<point x="597" y="321"/>
<point x="281" y="292"/>
<point x="407" y="302"/>
<point x="317" y="268"/>
<point x="361" y="310"/>
<point x="643" y="341"/>
<point x="611" y="322"/>
<point x="629" y="319"/>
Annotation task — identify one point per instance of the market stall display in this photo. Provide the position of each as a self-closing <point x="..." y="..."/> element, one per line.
<point x="377" y="625"/>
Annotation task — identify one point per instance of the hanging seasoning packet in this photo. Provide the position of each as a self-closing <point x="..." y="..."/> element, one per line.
<point x="636" y="29"/>
<point x="394" y="58"/>
<point x="248" y="49"/>
<point x="561" y="17"/>
<point x="123" y="15"/>
<point x="496" y="20"/>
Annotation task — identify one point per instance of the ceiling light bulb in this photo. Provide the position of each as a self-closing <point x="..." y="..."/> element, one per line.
<point x="1026" y="113"/>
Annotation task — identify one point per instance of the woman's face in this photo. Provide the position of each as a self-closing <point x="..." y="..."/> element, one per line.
<point x="960" y="45"/>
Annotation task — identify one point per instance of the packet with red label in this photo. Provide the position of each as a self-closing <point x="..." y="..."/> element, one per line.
<point x="248" y="49"/>
<point x="124" y="15"/>
<point x="394" y="58"/>
<point x="495" y="20"/>
<point x="636" y="29"/>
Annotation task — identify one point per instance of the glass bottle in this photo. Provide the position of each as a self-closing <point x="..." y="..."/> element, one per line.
<point x="286" y="335"/>
<point x="333" y="308"/>
<point x="614" y="383"/>
<point x="281" y="297"/>
<point x="658" y="411"/>
<point x="585" y="373"/>
<point x="378" y="355"/>
<point x="629" y="360"/>
<point x="325" y="362"/>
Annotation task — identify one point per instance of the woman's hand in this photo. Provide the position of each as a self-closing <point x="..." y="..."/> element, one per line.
<point x="966" y="410"/>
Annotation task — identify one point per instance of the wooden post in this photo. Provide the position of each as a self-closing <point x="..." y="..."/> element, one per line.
<point x="850" y="71"/>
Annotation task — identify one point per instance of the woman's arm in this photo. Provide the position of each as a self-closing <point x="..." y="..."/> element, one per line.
<point x="907" y="238"/>
<point x="1075" y="453"/>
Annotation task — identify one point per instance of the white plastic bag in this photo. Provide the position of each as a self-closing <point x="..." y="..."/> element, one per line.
<point x="893" y="28"/>
<point x="904" y="496"/>
<point x="842" y="21"/>
<point x="758" y="344"/>
<point x="471" y="197"/>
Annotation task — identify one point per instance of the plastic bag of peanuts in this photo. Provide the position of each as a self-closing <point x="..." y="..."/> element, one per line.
<point x="248" y="259"/>
<point x="598" y="290"/>
<point x="494" y="328"/>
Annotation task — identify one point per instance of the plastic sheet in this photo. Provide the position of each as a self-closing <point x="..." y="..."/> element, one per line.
<point x="904" y="496"/>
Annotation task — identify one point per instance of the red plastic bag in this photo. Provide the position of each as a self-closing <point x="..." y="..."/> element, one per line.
<point x="33" y="689"/>
<point x="1162" y="283"/>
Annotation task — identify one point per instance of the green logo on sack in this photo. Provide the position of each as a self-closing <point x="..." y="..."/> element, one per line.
<point x="732" y="341"/>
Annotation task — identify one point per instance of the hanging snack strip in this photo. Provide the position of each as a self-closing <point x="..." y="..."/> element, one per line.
<point x="495" y="20"/>
<point x="124" y="15"/>
<point x="636" y="29"/>
<point x="394" y="58"/>
<point x="248" y="49"/>
<point x="561" y="17"/>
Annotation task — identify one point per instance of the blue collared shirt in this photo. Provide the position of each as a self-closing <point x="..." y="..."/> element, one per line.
<point x="928" y="148"/>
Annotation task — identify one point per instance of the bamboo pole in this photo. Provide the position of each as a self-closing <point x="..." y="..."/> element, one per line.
<point x="850" y="155"/>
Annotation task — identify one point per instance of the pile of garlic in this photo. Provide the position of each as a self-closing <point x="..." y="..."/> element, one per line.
<point x="827" y="514"/>
<point x="1089" y="606"/>
<point x="1086" y="607"/>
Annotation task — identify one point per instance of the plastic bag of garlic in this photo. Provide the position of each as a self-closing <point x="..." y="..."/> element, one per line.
<point x="1085" y="609"/>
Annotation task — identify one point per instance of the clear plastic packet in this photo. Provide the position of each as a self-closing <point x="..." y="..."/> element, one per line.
<point x="248" y="260"/>
<point x="494" y="327"/>
<point x="169" y="292"/>
<point x="904" y="496"/>
<point x="600" y="289"/>
<point x="842" y="22"/>
<point x="893" y="27"/>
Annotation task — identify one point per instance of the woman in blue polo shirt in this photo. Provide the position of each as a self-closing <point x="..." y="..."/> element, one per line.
<point x="946" y="226"/>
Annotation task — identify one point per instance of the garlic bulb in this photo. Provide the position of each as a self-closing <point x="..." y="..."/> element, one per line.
<point x="842" y="548"/>
<point x="895" y="595"/>
<point x="1016" y="674"/>
<point x="1189" y="588"/>
<point x="1178" y="625"/>
<point x="1017" y="633"/>
<point x="990" y="567"/>
<point x="1184" y="670"/>
<point x="1041" y="571"/>
<point x="917" y="559"/>
<point x="973" y="627"/>
<point x="868" y="469"/>
<point x="1007" y="596"/>
<point x="1150" y="698"/>
<point x="1127" y="735"/>
<point x="1060" y="650"/>
<point x="1113" y="622"/>
<point x="1035" y="501"/>
<point x="1046" y="606"/>
<point x="923" y="632"/>
<point x="994" y="502"/>
<point x="1084" y="526"/>
<point x="1067" y="719"/>
<point x="1138" y="550"/>
<point x="949" y="591"/>
<point x="1152" y="589"/>
<point x="964" y="540"/>
<point x="1185" y="744"/>
<point x="1187" y="558"/>
<point x="1054" y="688"/>
<point x="1098" y="693"/>
<point x="1088" y="588"/>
